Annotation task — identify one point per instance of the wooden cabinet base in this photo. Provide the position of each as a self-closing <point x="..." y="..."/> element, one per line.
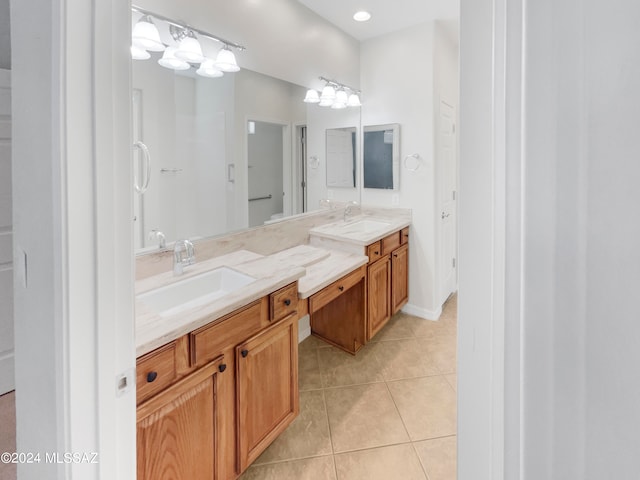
<point x="177" y="429"/>
<point x="342" y="321"/>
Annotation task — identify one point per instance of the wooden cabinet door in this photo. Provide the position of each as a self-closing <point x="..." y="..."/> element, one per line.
<point x="399" y="277"/>
<point x="267" y="387"/>
<point x="378" y="298"/>
<point x="176" y="429"/>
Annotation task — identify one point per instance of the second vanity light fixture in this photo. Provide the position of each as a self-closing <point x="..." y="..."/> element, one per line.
<point x="335" y="95"/>
<point x="186" y="52"/>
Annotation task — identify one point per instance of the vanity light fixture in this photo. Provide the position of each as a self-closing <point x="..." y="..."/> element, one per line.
<point x="354" y="100"/>
<point x="226" y="60"/>
<point x="185" y="48"/>
<point x="138" y="53"/>
<point x="169" y="60"/>
<point x="335" y="95"/>
<point x="312" y="96"/>
<point x="340" y="100"/>
<point x="189" y="48"/>
<point x="145" y="35"/>
<point x="208" y="69"/>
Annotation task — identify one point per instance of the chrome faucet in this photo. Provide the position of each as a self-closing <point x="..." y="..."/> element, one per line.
<point x="158" y="235"/>
<point x="348" y="210"/>
<point x="183" y="255"/>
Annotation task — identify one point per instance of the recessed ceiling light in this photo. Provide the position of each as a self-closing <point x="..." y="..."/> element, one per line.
<point x="361" y="16"/>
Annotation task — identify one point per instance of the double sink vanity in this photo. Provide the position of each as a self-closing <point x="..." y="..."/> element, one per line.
<point x="217" y="347"/>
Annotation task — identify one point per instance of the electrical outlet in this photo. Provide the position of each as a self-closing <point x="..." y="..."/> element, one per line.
<point x="395" y="199"/>
<point x="330" y="194"/>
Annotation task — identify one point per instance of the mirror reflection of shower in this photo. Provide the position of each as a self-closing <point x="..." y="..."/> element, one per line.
<point x="266" y="155"/>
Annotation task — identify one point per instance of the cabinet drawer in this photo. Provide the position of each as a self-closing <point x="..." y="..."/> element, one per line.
<point x="374" y="251"/>
<point x="404" y="235"/>
<point x="155" y="371"/>
<point x="337" y="288"/>
<point x="390" y="243"/>
<point x="209" y="341"/>
<point x="283" y="302"/>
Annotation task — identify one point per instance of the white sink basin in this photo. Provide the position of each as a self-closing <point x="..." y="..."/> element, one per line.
<point x="363" y="226"/>
<point x="194" y="291"/>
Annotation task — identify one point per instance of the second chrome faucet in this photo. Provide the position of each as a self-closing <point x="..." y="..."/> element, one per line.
<point x="183" y="255"/>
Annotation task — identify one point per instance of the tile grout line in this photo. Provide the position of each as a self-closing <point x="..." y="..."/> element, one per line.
<point x="333" y="450"/>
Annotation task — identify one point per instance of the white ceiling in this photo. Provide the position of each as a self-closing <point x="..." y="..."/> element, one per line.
<point x="386" y="15"/>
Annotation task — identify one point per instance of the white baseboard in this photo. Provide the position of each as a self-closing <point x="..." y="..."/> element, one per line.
<point x="422" y="312"/>
<point x="7" y="373"/>
<point x="304" y="328"/>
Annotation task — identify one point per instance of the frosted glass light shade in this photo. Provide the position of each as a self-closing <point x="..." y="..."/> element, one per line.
<point x="340" y="100"/>
<point x="169" y="60"/>
<point x="226" y="60"/>
<point x="189" y="50"/>
<point x="208" y="69"/>
<point x="354" y="100"/>
<point x="138" y="53"/>
<point x="145" y="35"/>
<point x="328" y="93"/>
<point x="326" y="102"/>
<point x="312" y="97"/>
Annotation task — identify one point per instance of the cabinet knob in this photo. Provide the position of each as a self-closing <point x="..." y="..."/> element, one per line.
<point x="222" y="367"/>
<point x="287" y="302"/>
<point x="376" y="252"/>
<point x="151" y="376"/>
<point x="395" y="255"/>
<point x="341" y="288"/>
<point x="244" y="353"/>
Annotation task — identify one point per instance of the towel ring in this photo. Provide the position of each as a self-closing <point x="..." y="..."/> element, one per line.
<point x="413" y="162"/>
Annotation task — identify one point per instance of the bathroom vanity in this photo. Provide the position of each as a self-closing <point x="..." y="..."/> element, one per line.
<point x="217" y="372"/>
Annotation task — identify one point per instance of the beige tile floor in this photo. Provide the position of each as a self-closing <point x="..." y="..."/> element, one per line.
<point x="388" y="413"/>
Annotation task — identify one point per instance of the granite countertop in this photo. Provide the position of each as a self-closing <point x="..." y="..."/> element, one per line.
<point x="363" y="229"/>
<point x="313" y="267"/>
<point x="154" y="330"/>
<point x="335" y="266"/>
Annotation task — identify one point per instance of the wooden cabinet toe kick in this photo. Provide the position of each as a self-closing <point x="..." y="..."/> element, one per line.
<point x="338" y="312"/>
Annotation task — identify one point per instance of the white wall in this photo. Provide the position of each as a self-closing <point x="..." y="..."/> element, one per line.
<point x="397" y="81"/>
<point x="549" y="173"/>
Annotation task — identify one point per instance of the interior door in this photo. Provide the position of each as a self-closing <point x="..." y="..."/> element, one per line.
<point x="7" y="382"/>
<point x="448" y="186"/>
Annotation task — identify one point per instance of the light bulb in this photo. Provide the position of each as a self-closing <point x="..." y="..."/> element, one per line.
<point x="189" y="49"/>
<point x="328" y="93"/>
<point x="208" y="69"/>
<point x="169" y="60"/>
<point x="354" y="100"/>
<point x="226" y="60"/>
<point x="145" y="35"/>
<point x="312" y="97"/>
<point x="138" y="53"/>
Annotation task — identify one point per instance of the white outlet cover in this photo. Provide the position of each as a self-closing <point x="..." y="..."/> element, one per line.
<point x="395" y="199"/>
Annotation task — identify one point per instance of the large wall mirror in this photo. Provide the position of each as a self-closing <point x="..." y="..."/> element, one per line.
<point x="381" y="156"/>
<point x="228" y="153"/>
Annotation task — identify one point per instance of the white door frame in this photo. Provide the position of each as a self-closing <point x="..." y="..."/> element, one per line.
<point x="7" y="377"/>
<point x="489" y="376"/>
<point x="73" y="236"/>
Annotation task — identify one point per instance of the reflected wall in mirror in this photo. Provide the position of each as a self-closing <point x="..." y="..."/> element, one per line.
<point x="203" y="159"/>
<point x="341" y="157"/>
<point x="381" y="156"/>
